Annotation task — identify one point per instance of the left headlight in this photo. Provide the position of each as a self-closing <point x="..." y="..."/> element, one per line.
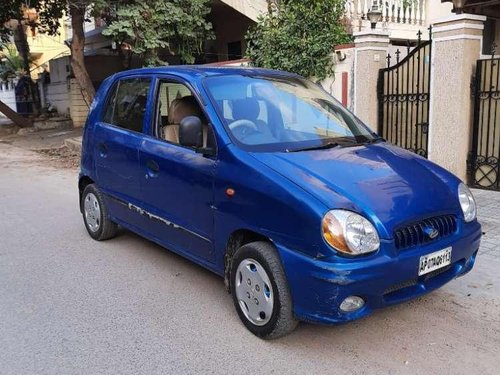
<point x="349" y="233"/>
<point x="467" y="202"/>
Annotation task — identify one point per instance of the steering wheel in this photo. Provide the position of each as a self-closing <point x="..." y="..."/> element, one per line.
<point x="243" y="128"/>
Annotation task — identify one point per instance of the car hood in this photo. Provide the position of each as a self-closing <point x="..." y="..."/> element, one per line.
<point x="388" y="184"/>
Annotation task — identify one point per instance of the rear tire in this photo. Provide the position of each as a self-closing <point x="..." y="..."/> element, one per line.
<point x="95" y="215"/>
<point x="260" y="291"/>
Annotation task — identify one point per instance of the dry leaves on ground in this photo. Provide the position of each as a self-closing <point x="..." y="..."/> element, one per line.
<point x="61" y="157"/>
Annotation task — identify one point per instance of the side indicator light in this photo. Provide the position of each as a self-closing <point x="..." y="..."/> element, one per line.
<point x="230" y="192"/>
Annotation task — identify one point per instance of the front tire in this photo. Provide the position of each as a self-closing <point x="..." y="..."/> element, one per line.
<point x="95" y="215"/>
<point x="260" y="291"/>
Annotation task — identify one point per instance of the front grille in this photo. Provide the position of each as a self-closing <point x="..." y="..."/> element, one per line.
<point x="437" y="272"/>
<point x="418" y="233"/>
<point x="403" y="287"/>
<point x="399" y="286"/>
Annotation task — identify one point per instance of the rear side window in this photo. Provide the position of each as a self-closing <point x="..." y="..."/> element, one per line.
<point x="126" y="104"/>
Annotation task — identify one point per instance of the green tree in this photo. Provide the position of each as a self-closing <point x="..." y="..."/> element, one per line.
<point x="11" y="63"/>
<point x="150" y="27"/>
<point x="298" y="36"/>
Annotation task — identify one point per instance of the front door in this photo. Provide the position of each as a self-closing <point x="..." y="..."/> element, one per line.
<point x="117" y="138"/>
<point x="177" y="182"/>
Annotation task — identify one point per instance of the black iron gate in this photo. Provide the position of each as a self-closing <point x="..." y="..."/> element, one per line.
<point x="403" y="92"/>
<point x="483" y="161"/>
<point x="27" y="97"/>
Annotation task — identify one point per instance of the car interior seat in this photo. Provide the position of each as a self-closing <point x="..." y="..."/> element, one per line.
<point x="249" y="109"/>
<point x="180" y="108"/>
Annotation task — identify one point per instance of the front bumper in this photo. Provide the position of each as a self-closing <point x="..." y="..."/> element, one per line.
<point x="319" y="286"/>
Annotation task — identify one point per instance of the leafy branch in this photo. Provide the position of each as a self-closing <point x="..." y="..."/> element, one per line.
<point x="298" y="36"/>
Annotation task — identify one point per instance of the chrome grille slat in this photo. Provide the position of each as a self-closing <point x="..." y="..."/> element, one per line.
<point x="415" y="234"/>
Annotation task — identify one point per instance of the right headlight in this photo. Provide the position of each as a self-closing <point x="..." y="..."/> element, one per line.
<point x="349" y="233"/>
<point x="467" y="202"/>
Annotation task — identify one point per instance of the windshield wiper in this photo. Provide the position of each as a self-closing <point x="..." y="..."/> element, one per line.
<point x="344" y="142"/>
<point x="323" y="146"/>
<point x="374" y="140"/>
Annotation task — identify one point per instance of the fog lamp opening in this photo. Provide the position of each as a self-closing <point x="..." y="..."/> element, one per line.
<point x="352" y="303"/>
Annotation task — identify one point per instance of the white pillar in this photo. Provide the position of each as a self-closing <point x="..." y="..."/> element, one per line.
<point x="456" y="46"/>
<point x="370" y="51"/>
<point x="371" y="48"/>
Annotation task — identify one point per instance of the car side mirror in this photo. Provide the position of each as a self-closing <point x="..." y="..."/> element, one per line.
<point x="191" y="132"/>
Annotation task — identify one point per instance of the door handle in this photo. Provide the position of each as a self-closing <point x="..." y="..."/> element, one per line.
<point x="152" y="168"/>
<point x="103" y="150"/>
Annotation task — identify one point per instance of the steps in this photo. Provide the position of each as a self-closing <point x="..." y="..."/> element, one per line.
<point x="53" y="123"/>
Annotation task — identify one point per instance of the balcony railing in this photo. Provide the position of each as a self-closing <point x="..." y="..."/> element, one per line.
<point x="409" y="12"/>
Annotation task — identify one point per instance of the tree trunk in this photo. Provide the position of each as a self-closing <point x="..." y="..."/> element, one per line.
<point x="16" y="118"/>
<point x="77" y="13"/>
<point x="22" y="46"/>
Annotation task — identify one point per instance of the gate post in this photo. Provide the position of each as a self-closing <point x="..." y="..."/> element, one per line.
<point x="456" y="46"/>
<point x="371" y="48"/>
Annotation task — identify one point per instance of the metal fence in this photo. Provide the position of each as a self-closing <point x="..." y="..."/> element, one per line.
<point x="403" y="99"/>
<point x="483" y="161"/>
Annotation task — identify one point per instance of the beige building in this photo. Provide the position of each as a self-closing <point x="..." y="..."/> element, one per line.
<point x="44" y="48"/>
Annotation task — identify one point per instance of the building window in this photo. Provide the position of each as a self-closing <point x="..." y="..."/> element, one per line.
<point x="234" y="50"/>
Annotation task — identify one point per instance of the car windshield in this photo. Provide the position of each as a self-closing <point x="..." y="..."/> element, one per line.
<point x="283" y="113"/>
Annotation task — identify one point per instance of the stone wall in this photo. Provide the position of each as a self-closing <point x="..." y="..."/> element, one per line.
<point x="58" y="97"/>
<point x="340" y="85"/>
<point x="67" y="99"/>
<point x="64" y="93"/>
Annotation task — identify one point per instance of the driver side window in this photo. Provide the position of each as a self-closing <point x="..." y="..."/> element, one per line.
<point x="311" y="116"/>
<point x="175" y="101"/>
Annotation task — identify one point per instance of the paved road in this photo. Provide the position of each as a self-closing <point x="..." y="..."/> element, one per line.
<point x="70" y="305"/>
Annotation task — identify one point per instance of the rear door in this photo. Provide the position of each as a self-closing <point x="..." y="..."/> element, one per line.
<point x="117" y="139"/>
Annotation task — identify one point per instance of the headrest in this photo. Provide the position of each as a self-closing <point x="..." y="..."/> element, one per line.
<point x="183" y="107"/>
<point x="248" y="109"/>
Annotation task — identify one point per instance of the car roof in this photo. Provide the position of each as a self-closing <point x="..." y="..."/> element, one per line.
<point x="199" y="71"/>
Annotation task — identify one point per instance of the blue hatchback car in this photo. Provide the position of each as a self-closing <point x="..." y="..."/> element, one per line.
<point x="266" y="180"/>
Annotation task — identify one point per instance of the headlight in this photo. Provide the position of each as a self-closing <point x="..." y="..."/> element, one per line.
<point x="349" y="233"/>
<point x="467" y="202"/>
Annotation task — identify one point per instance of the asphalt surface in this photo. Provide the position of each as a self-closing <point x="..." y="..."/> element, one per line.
<point x="71" y="305"/>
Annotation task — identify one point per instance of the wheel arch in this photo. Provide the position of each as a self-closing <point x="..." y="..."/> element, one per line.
<point x="83" y="182"/>
<point x="237" y="239"/>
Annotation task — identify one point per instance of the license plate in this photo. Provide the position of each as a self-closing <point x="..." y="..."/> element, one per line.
<point x="434" y="261"/>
